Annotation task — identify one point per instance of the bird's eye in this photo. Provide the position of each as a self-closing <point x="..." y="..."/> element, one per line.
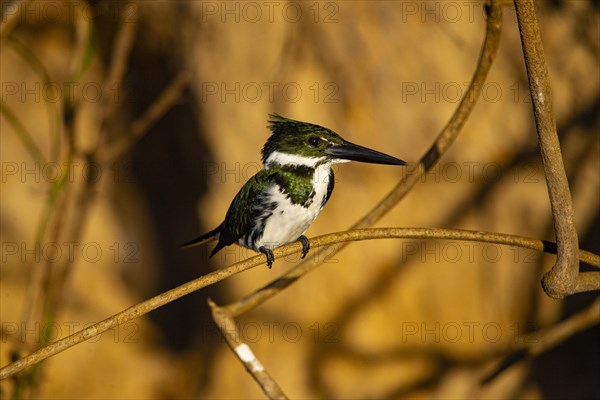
<point x="314" y="141"/>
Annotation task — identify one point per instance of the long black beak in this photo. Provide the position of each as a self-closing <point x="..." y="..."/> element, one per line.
<point x="354" y="152"/>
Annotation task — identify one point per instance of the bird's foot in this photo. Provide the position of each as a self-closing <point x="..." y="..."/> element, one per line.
<point x="305" y="245"/>
<point x="269" y="254"/>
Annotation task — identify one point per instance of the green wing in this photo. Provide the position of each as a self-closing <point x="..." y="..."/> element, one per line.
<point x="247" y="207"/>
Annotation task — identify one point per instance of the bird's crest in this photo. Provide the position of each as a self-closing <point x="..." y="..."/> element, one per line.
<point x="279" y="124"/>
<point x="289" y="135"/>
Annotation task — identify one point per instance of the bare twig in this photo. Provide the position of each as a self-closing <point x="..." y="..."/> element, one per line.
<point x="224" y="320"/>
<point x="81" y="199"/>
<point x="40" y="70"/>
<point x="550" y="338"/>
<point x="586" y="318"/>
<point x="564" y="278"/>
<point x="353" y="235"/>
<point x="120" y="57"/>
<point x="24" y="135"/>
<point x="450" y="132"/>
<point x="168" y="98"/>
<point x="415" y="173"/>
<point x="537" y="343"/>
<point x="43" y="277"/>
<point x="77" y="203"/>
<point x="10" y="16"/>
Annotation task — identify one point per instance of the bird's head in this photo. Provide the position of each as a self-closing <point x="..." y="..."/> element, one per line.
<point x="300" y="143"/>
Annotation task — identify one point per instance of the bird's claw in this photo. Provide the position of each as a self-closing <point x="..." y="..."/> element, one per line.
<point x="269" y="254"/>
<point x="305" y="245"/>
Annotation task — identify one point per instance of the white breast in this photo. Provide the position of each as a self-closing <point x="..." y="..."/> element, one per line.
<point x="289" y="221"/>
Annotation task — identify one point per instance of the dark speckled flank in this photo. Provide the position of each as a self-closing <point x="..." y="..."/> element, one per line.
<point x="259" y="228"/>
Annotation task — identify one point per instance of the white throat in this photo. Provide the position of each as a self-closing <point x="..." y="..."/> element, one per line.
<point x="281" y="158"/>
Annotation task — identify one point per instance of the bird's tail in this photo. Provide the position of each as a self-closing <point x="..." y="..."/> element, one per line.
<point x="207" y="237"/>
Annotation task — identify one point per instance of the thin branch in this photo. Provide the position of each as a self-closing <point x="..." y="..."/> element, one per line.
<point x="42" y="277"/>
<point x="450" y="132"/>
<point x="78" y="206"/>
<point x="544" y="341"/>
<point x="40" y="70"/>
<point x="224" y="320"/>
<point x="562" y="280"/>
<point x="355" y="235"/>
<point x="10" y="16"/>
<point x="124" y="41"/>
<point x="168" y="98"/>
<point x="415" y="173"/>
<point x="537" y="343"/>
<point x="24" y="135"/>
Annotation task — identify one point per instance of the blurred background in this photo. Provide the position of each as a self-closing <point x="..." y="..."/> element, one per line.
<point x="87" y="233"/>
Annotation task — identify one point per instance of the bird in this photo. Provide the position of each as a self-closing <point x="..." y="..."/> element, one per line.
<point x="278" y="204"/>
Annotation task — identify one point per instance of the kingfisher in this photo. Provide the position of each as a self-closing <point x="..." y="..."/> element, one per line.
<point x="277" y="205"/>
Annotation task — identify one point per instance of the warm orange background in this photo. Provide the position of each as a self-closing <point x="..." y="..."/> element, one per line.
<point x="392" y="318"/>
